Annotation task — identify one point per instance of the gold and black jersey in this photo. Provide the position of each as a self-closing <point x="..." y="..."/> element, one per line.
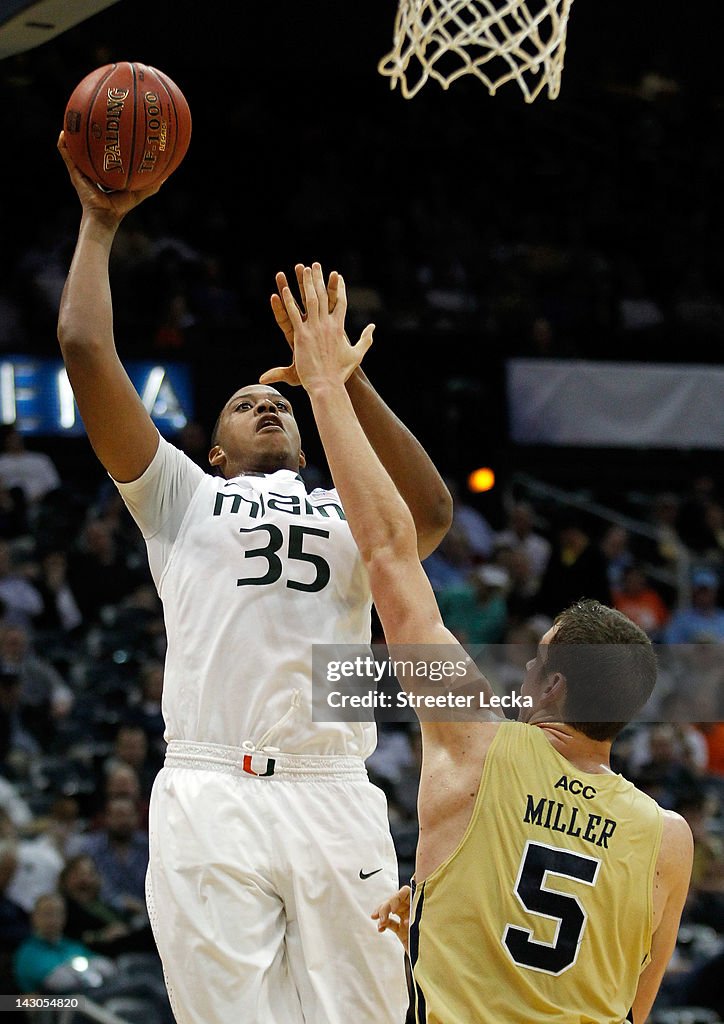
<point x="543" y="912"/>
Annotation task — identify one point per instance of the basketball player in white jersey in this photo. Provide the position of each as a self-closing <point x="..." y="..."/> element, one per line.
<point x="268" y="843"/>
<point x="546" y="887"/>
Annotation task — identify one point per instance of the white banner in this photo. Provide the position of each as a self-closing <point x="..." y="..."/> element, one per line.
<point x="615" y="405"/>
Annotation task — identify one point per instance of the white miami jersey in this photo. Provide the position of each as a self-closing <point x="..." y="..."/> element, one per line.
<point x="252" y="572"/>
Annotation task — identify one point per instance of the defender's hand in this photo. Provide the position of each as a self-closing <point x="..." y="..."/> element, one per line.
<point x="288" y="374"/>
<point x="322" y="353"/>
<point x="394" y="914"/>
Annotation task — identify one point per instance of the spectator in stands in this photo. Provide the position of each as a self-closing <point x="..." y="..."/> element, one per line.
<point x="17" y="745"/>
<point x="21" y="601"/>
<point x="577" y="568"/>
<point x="62" y="825"/>
<point x="92" y="921"/>
<point x="14" y="921"/>
<point x="616" y="548"/>
<point x="452" y="560"/>
<point x="50" y="962"/>
<point x="666" y="547"/>
<point x="681" y="708"/>
<point x="60" y="612"/>
<point x="121" y="779"/>
<point x="44" y="696"/>
<point x="109" y="509"/>
<point x="120" y="853"/>
<point x="473" y="525"/>
<point x="14" y="805"/>
<point x="476" y="612"/>
<point x="13" y="513"/>
<point x="692" y="522"/>
<point x="702" y="678"/>
<point x="703" y="619"/>
<point x="522" y="587"/>
<point x="520" y="533"/>
<point x="640" y="601"/>
<point x="705" y="902"/>
<point x="131" y="749"/>
<point x="37" y="868"/>
<point x="665" y="776"/>
<point x="98" y="571"/>
<point x="140" y="616"/>
<point x="44" y="962"/>
<point x="34" y="473"/>
<point x="713" y="553"/>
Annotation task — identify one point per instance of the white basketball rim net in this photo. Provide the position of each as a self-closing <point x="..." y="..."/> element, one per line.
<point x="498" y="41"/>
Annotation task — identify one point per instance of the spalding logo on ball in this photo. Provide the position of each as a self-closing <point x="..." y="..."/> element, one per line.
<point x="127" y="126"/>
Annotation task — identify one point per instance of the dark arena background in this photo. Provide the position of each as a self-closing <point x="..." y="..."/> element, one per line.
<point x="547" y="282"/>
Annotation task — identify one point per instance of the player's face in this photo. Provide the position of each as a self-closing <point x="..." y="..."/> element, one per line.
<point x="257" y="433"/>
<point x="535" y="676"/>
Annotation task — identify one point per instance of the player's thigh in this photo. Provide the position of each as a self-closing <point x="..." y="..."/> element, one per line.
<point x="218" y="922"/>
<point x="342" y="865"/>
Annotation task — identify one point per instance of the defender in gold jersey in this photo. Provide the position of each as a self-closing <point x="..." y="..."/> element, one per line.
<point x="558" y="894"/>
<point x="547" y="888"/>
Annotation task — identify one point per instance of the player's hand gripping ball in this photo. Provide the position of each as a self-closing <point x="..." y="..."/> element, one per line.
<point x="127" y="126"/>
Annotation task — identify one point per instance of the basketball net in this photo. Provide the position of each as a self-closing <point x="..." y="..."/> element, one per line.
<point x="496" y="40"/>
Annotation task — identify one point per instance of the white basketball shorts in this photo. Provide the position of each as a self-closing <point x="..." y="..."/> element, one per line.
<point x="263" y="873"/>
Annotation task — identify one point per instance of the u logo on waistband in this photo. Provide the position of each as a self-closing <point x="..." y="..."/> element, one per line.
<point x="246" y="765"/>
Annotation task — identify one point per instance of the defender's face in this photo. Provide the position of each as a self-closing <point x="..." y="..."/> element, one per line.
<point x="257" y="433"/>
<point x="535" y="675"/>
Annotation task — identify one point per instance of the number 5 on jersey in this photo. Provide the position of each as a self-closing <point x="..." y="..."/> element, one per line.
<point x="531" y="889"/>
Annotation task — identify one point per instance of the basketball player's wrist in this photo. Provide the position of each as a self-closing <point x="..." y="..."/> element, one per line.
<point x="99" y="225"/>
<point x="356" y="379"/>
<point x="324" y="390"/>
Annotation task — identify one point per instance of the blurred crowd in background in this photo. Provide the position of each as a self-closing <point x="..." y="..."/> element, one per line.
<point x="588" y="230"/>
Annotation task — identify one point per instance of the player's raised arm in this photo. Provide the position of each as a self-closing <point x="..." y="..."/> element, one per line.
<point x="399" y="451"/>
<point x="120" y="430"/>
<point x="380" y="521"/>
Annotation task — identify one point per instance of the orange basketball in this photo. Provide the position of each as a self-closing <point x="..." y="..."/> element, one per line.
<point x="127" y="126"/>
